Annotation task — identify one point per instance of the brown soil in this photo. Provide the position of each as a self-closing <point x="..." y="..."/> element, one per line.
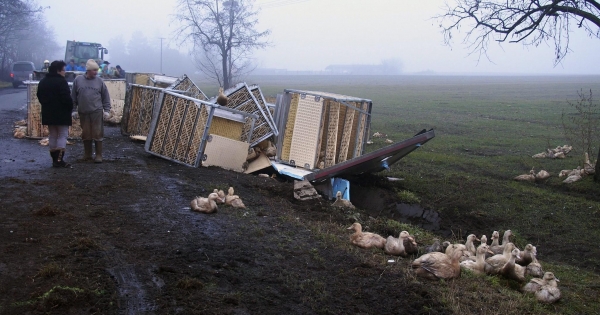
<point x="119" y="238"/>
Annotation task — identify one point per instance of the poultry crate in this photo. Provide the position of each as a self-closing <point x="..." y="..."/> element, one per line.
<point x="242" y="98"/>
<point x="140" y="102"/>
<point x="138" y="78"/>
<point x="187" y="87"/>
<point x="321" y="129"/>
<point x="117" y="91"/>
<point x="181" y="126"/>
<point x="35" y="129"/>
<point x="116" y="88"/>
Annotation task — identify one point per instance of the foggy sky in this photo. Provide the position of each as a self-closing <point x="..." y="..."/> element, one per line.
<point x="312" y="34"/>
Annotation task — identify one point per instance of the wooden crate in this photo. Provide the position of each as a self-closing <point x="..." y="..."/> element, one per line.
<point x="187" y="87"/>
<point x="35" y="129"/>
<point x="241" y="98"/>
<point x="116" y="89"/>
<point x="322" y="129"/>
<point x="181" y="125"/>
<point x="138" y="109"/>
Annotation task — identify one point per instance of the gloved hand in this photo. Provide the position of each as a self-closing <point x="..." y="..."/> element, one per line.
<point x="75" y="115"/>
<point x="106" y="115"/>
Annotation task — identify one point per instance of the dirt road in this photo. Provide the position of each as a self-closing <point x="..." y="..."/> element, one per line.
<point x="119" y="238"/>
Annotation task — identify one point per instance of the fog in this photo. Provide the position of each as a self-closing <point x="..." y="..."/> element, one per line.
<point x="310" y="35"/>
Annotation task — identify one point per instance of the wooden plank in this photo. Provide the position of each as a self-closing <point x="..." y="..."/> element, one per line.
<point x="289" y="128"/>
<point x="346" y="135"/>
<point x="332" y="132"/>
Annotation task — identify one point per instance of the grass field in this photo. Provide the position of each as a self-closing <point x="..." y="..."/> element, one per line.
<point x="487" y="129"/>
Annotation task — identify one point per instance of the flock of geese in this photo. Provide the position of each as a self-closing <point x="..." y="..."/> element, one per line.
<point x="446" y="260"/>
<point x="572" y="175"/>
<point x="380" y="135"/>
<point x="209" y="204"/>
<point x="556" y="153"/>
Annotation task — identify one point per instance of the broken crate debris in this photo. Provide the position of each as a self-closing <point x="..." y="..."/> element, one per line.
<point x="310" y="136"/>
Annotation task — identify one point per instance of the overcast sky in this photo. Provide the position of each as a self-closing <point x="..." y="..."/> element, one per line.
<point x="312" y="34"/>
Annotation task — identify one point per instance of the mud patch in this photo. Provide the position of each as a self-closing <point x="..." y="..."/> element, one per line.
<point x="47" y="211"/>
<point x="133" y="297"/>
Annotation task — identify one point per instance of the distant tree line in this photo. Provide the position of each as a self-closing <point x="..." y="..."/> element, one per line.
<point x="24" y="35"/>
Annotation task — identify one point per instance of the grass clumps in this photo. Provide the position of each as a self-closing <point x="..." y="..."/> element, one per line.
<point x="50" y="270"/>
<point x="405" y="196"/>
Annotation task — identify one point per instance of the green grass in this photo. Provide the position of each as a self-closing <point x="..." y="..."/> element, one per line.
<point x="487" y="129"/>
<point x="4" y="84"/>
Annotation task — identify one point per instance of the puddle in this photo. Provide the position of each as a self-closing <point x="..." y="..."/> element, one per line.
<point x="131" y="291"/>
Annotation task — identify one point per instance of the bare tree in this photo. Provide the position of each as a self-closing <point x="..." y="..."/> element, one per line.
<point x="530" y="22"/>
<point x="582" y="127"/>
<point x="18" y="18"/>
<point x="223" y="34"/>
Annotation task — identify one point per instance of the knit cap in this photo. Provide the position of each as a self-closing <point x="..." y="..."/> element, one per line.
<point x="91" y="65"/>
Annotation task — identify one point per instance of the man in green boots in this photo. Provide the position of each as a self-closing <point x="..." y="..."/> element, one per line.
<point x="92" y="105"/>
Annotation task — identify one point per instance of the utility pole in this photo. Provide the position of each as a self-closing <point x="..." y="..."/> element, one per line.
<point x="161" y="39"/>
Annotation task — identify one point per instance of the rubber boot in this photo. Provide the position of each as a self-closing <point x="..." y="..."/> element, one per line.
<point x="54" y="155"/>
<point x="60" y="160"/>
<point x="87" y="150"/>
<point x="98" y="158"/>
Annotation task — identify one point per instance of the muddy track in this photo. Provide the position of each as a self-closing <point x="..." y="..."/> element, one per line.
<point x="119" y="238"/>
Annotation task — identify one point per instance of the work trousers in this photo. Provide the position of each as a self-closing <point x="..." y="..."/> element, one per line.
<point x="92" y="126"/>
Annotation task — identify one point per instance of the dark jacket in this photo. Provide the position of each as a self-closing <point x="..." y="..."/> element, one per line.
<point x="55" y="96"/>
<point x="121" y="73"/>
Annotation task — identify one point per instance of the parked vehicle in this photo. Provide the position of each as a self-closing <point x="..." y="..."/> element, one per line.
<point x="20" y="71"/>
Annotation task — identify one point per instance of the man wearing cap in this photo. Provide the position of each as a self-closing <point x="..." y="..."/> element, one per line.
<point x="92" y="105"/>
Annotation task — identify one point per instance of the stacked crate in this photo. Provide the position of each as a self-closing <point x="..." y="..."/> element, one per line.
<point x="243" y="99"/>
<point x="35" y="129"/>
<point x="181" y="126"/>
<point x="187" y="87"/>
<point x="321" y="129"/>
<point x="140" y="102"/>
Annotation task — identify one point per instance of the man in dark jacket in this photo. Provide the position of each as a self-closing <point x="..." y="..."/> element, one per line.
<point x="121" y="71"/>
<point x="55" y="96"/>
